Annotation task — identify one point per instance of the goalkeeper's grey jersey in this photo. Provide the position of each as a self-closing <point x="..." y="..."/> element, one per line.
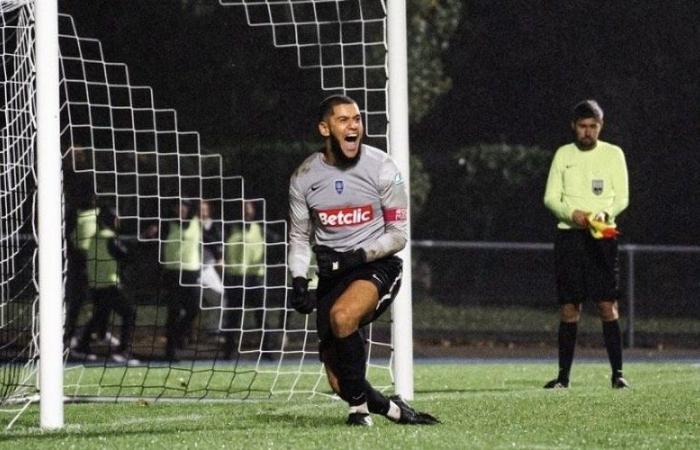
<point x="364" y="206"/>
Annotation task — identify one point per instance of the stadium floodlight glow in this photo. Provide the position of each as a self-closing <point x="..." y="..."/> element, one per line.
<point x="130" y="154"/>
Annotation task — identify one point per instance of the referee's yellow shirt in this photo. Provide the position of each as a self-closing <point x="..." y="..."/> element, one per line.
<point x="589" y="180"/>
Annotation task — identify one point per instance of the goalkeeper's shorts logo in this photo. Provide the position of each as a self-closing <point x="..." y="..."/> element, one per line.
<point x="597" y="186"/>
<point x="343" y="217"/>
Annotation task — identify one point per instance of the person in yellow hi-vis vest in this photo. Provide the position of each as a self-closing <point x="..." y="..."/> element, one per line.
<point x="244" y="271"/>
<point x="103" y="279"/>
<point x="80" y="226"/>
<point x="182" y="261"/>
<point x="83" y="226"/>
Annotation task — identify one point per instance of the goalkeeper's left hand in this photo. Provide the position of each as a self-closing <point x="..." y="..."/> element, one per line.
<point x="332" y="263"/>
<point x="599" y="228"/>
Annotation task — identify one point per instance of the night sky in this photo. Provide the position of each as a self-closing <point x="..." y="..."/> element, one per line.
<point x="517" y="68"/>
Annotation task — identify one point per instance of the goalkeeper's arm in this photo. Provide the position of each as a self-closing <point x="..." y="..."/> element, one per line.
<point x="300" y="227"/>
<point x="299" y="256"/>
<point x="394" y="201"/>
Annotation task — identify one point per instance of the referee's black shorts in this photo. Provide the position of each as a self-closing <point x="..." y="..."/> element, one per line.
<point x="587" y="269"/>
<point x="385" y="273"/>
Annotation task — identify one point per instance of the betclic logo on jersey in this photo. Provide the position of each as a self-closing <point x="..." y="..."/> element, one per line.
<point x="344" y="217"/>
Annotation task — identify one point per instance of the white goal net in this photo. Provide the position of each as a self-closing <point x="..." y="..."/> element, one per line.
<point x="18" y="290"/>
<point x="175" y="329"/>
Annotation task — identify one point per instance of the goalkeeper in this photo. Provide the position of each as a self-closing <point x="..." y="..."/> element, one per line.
<point x="350" y="200"/>
<point x="586" y="190"/>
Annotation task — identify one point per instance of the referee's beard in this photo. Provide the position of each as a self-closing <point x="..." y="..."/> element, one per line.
<point x="341" y="160"/>
<point x="586" y="143"/>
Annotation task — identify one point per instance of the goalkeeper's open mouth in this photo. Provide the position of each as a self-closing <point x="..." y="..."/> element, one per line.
<point x="351" y="144"/>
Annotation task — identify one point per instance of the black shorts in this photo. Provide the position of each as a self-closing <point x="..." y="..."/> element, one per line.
<point x="586" y="268"/>
<point x="385" y="273"/>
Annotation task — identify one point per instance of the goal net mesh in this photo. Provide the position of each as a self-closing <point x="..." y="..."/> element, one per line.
<point x="221" y="329"/>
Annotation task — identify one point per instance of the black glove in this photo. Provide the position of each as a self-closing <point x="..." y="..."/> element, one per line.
<point x="300" y="299"/>
<point x="332" y="263"/>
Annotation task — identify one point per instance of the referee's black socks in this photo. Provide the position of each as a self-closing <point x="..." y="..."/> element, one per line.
<point x="613" y="344"/>
<point x="567" y="344"/>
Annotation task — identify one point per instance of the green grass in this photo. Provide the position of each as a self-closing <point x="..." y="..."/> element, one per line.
<point x="482" y="406"/>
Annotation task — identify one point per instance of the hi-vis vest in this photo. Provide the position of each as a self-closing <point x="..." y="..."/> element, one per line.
<point x="102" y="269"/>
<point x="182" y="248"/>
<point x="244" y="252"/>
<point x="85" y="228"/>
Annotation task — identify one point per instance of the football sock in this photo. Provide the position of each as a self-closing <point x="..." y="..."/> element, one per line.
<point x="613" y="344"/>
<point x="377" y="402"/>
<point x="350" y="366"/>
<point x="567" y="344"/>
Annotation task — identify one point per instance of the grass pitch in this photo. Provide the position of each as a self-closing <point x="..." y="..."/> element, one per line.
<point x="481" y="405"/>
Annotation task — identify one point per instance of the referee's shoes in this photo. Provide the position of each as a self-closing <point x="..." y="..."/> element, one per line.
<point x="557" y="384"/>
<point x="619" y="382"/>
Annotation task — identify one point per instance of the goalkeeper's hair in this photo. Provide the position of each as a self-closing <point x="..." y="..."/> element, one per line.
<point x="328" y="103"/>
<point x="587" y="109"/>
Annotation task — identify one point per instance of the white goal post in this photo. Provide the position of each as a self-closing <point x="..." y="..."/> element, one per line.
<point x="402" y="313"/>
<point x="122" y="173"/>
<point x="49" y="219"/>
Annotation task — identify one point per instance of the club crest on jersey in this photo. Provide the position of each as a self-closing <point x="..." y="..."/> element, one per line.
<point x="339" y="186"/>
<point x="597" y="186"/>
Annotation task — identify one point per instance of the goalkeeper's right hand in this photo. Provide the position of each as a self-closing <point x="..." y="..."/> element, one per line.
<point x="300" y="299"/>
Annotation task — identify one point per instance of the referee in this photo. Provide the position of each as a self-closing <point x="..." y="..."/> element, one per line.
<point x="587" y="181"/>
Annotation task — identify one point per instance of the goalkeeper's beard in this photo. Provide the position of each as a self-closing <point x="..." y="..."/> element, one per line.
<point x="341" y="160"/>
